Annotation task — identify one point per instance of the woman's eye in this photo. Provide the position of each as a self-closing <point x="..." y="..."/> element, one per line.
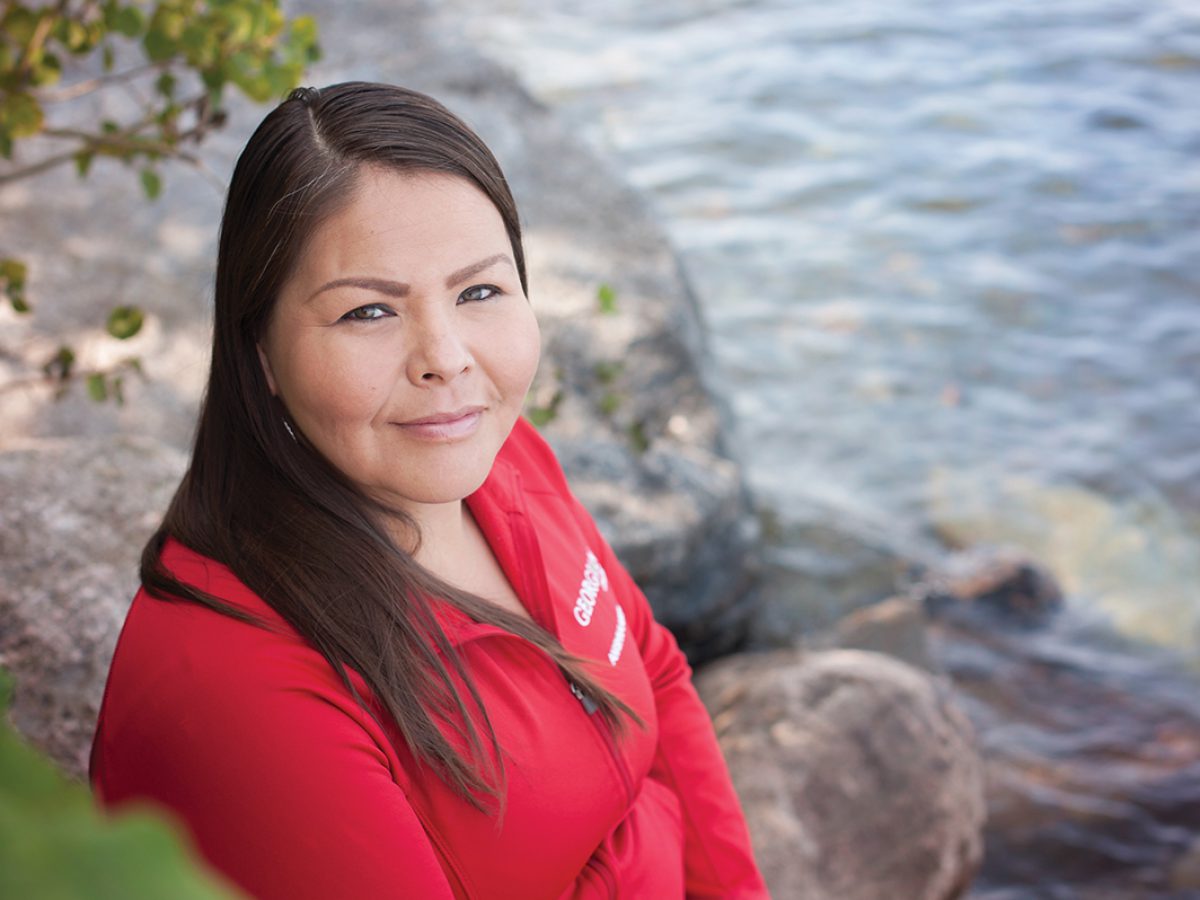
<point x="367" y="313"/>
<point x="479" y="292"/>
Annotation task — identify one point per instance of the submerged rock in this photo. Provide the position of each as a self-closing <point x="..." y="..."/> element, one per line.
<point x="896" y="627"/>
<point x="1185" y="874"/>
<point x="859" y="776"/>
<point x="1000" y="582"/>
<point x="1092" y="748"/>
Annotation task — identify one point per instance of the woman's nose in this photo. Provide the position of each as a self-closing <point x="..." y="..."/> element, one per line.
<point x="439" y="352"/>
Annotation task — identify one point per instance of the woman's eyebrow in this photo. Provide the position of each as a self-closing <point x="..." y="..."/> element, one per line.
<point x="475" y="268"/>
<point x="400" y="289"/>
<point x="379" y="285"/>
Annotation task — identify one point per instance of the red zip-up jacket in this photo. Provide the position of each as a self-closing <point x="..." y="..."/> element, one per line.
<point x="292" y="791"/>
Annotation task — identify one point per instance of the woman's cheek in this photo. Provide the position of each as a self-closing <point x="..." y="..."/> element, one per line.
<point x="526" y="348"/>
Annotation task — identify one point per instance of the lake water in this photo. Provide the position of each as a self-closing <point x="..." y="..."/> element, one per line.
<point x="949" y="255"/>
<point x="947" y="250"/>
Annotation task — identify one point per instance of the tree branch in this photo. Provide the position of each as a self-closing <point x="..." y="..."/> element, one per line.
<point x="36" y="41"/>
<point x="43" y="165"/>
<point x="83" y="88"/>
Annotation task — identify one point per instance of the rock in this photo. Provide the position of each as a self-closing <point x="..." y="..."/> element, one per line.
<point x="72" y="525"/>
<point x="895" y="627"/>
<point x="631" y="398"/>
<point x="822" y="562"/>
<point x="1185" y="874"/>
<point x="859" y="777"/>
<point x="1003" y="583"/>
<point x="1092" y="747"/>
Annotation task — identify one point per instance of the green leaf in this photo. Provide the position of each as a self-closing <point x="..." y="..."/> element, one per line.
<point x="637" y="438"/>
<point x="21" y="115"/>
<point x="282" y="79"/>
<point x="541" y="416"/>
<point x="165" y="85"/>
<point x="163" y="35"/>
<point x="96" y="387"/>
<point x="240" y="25"/>
<point x="607" y="298"/>
<point x="77" y="37"/>
<point x="129" y="21"/>
<point x="151" y="183"/>
<point x="19" y="24"/>
<point x="303" y="31"/>
<point x="607" y="371"/>
<point x="610" y="403"/>
<point x="60" y="364"/>
<point x="46" y="72"/>
<point x="200" y="43"/>
<point x="83" y="162"/>
<point x="54" y="843"/>
<point x="13" y="270"/>
<point x="108" y="57"/>
<point x="124" y="322"/>
<point x="12" y="277"/>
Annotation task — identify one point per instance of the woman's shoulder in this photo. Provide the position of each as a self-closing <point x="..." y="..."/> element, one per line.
<point x="186" y="618"/>
<point x="175" y="648"/>
<point x="179" y="661"/>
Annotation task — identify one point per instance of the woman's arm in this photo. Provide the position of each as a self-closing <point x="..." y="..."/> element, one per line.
<point x="276" y="777"/>
<point x="719" y="860"/>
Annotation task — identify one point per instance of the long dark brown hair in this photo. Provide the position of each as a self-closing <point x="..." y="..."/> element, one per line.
<point x="274" y="510"/>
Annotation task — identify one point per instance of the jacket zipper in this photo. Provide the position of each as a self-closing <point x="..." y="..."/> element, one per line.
<point x="604" y="871"/>
<point x="534" y="576"/>
<point x="602" y="727"/>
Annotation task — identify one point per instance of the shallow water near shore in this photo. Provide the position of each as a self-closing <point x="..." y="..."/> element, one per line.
<point x="947" y="253"/>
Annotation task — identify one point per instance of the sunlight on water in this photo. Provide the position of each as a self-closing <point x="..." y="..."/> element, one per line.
<point x="1133" y="561"/>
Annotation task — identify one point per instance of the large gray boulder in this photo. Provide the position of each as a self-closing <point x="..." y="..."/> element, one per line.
<point x="74" y="518"/>
<point x="860" y="778"/>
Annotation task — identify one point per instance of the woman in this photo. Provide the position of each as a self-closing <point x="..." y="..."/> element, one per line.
<point x="380" y="650"/>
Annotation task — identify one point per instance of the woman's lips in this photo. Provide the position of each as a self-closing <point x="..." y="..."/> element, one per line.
<point x="445" y="426"/>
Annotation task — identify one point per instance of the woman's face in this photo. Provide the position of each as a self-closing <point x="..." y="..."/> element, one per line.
<point x="403" y="344"/>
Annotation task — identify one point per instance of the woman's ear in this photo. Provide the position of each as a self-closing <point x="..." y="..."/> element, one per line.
<point x="266" y="367"/>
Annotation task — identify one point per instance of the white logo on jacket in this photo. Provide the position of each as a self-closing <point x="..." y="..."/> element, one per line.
<point x="595" y="580"/>
<point x="618" y="641"/>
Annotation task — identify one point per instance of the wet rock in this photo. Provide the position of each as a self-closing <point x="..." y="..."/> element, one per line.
<point x="895" y="627"/>
<point x="860" y="778"/>
<point x="74" y="518"/>
<point x="1185" y="874"/>
<point x="1115" y="120"/>
<point x="819" y="565"/>
<point x="1092" y="748"/>
<point x="1002" y="583"/>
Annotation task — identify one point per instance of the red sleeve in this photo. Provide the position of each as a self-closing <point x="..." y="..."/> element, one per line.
<point x="718" y="858"/>
<point x="276" y="776"/>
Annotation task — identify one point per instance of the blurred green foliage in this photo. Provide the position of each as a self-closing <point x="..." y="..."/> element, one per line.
<point x="181" y="55"/>
<point x="55" y="845"/>
<point x="606" y="299"/>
